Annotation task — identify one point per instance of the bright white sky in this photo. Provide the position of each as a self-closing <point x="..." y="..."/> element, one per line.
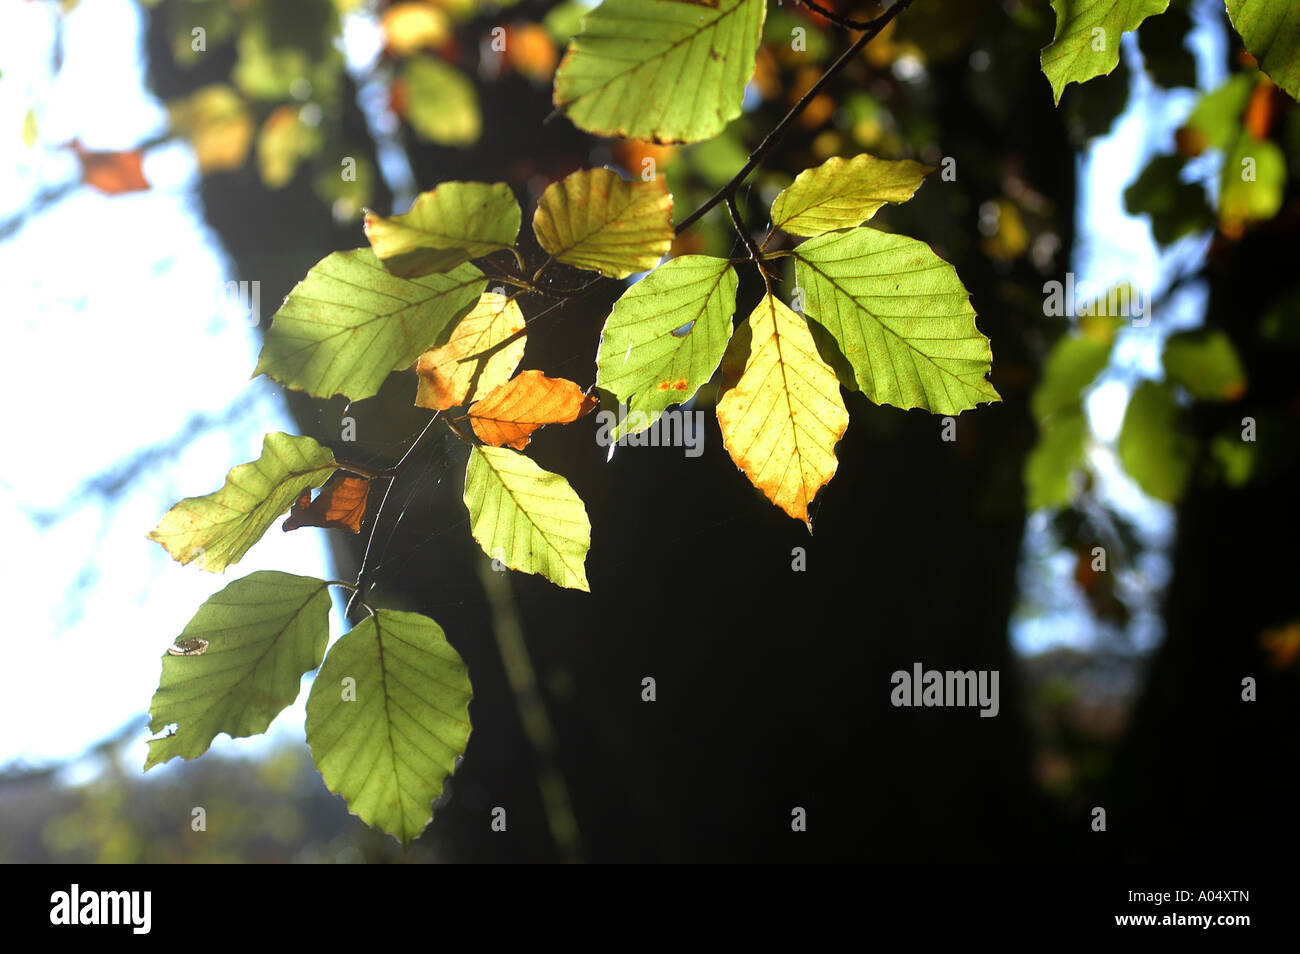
<point x="115" y="339"/>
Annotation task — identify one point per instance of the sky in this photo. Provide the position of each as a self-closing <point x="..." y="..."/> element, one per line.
<point x="117" y="337"/>
<point x="1113" y="247"/>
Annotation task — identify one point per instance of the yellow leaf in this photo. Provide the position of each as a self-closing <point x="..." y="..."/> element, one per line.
<point x="782" y="420"/>
<point x="409" y="27"/>
<point x="509" y="415"/>
<point x="595" y="219"/>
<point x="30" y="130"/>
<point x="447" y="379"/>
<point x="283" y="143"/>
<point x="216" y="122"/>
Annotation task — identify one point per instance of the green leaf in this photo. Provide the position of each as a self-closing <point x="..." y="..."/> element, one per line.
<point x="1073" y="364"/>
<point x="662" y="70"/>
<point x="350" y="323"/>
<point x="254" y="641"/>
<point x="1057" y="403"/>
<point x="1217" y="116"/>
<point x="283" y="43"/>
<point x="445" y="227"/>
<point x="1086" y="43"/>
<point x="596" y="219"/>
<point x="1206" y="364"/>
<point x="1253" y="184"/>
<point x="666" y="337"/>
<point x="1237" y="459"/>
<point x="842" y="193"/>
<point x="1153" y="448"/>
<point x="1176" y="208"/>
<point x="441" y="104"/>
<point x="1058" y="454"/>
<point x="901" y="317"/>
<point x="526" y="517"/>
<point x="218" y="529"/>
<point x="1271" y="30"/>
<point x="387" y="717"/>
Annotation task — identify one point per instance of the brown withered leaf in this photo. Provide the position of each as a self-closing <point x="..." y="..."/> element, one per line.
<point x="340" y="503"/>
<point x="508" y="416"/>
<point x="112" y="172"/>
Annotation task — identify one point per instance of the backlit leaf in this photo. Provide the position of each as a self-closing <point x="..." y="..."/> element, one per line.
<point x="255" y="639"/>
<point x="448" y="379"/>
<point x="901" y="317"/>
<point x="449" y="225"/>
<point x="509" y="415"/>
<point x="1216" y="120"/>
<point x="218" y="529"/>
<point x="341" y="503"/>
<point x="350" y="323"/>
<point x="596" y="219"/>
<point x="528" y="518"/>
<point x="216" y="122"/>
<point x="1206" y="364"/>
<point x="387" y="717"/>
<point x="842" y="193"/>
<point x="284" y="142"/>
<point x="1057" y="456"/>
<point x="1253" y="183"/>
<point x="1087" y="37"/>
<point x="663" y="70"/>
<point x="409" y="27"/>
<point x="30" y="129"/>
<point x="782" y="420"/>
<point x="1271" y="29"/>
<point x="112" y="172"/>
<point x="1153" y="447"/>
<point x="439" y="102"/>
<point x="666" y="337"/>
<point x="1058" y="406"/>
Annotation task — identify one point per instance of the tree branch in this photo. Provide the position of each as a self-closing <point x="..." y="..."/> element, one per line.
<point x="834" y="17"/>
<point x="871" y="31"/>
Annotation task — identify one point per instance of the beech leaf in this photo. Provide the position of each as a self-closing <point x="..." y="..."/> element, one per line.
<point x="467" y="367"/>
<point x="782" y="420"/>
<point x="510" y="414"/>
<point x="596" y="219"/>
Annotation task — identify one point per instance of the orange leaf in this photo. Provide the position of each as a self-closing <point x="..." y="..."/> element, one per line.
<point x="509" y="415"/>
<point x="451" y="375"/>
<point x="340" y="503"/>
<point x="531" y="51"/>
<point x="112" y="172"/>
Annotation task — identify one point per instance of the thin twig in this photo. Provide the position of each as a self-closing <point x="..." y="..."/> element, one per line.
<point x="396" y="472"/>
<point x="365" y="470"/>
<point x="754" y="254"/>
<point x="769" y="142"/>
<point x="834" y="17"/>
